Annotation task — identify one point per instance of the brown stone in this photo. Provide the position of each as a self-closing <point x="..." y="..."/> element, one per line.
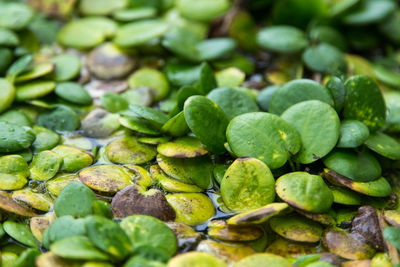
<point x="131" y="200"/>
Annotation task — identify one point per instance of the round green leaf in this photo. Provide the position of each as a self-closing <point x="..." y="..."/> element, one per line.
<point x="16" y="117"/>
<point x="184" y="147"/>
<point x="176" y="126"/>
<point x="247" y="184"/>
<point x="58" y="183"/>
<point x="181" y="74"/>
<point x="62" y="118"/>
<point x="138" y="96"/>
<point x="282" y="39"/>
<point x="14" y="164"/>
<point x="45" y="165"/>
<point x="12" y="181"/>
<point x="15" y="15"/>
<point x="352" y="133"/>
<point x="7" y="94"/>
<point x="100" y="7"/>
<point x="152" y="78"/>
<point x="63" y="227"/>
<point x="266" y="259"/>
<point x="202" y="10"/>
<point x="263" y="136"/>
<point x="81" y="34"/>
<point x="138" y="33"/>
<point x="20" y="65"/>
<point x="296" y="228"/>
<point x="338" y="92"/>
<point x="190" y="170"/>
<point x="370" y="11"/>
<point x="384" y="145"/>
<point x="230" y="77"/>
<point x="33" y="90"/>
<point x="357" y="166"/>
<point x="106" y="178"/>
<point x="77" y="248"/>
<point x="324" y="58"/>
<point x="127" y="15"/>
<point x="138" y="124"/>
<point x="108" y="236"/>
<point x="36" y="71"/>
<point x="329" y="35"/>
<point x="364" y="102"/>
<point x="20" y="232"/>
<point x="75" y="199"/>
<point x="73" y="92"/>
<point x="8" y="38"/>
<point x="127" y="150"/>
<point x="114" y="102"/>
<point x="297" y="91"/>
<point x="145" y="230"/>
<point x="233" y="101"/>
<point x="318" y="125"/>
<point x="304" y="191"/>
<point x="171" y="185"/>
<point x="183" y="42"/>
<point x="386" y="75"/>
<point x="191" y="208"/>
<point x="74" y="159"/>
<point x="67" y="67"/>
<point x="207" y="121"/>
<point x="15" y="138"/>
<point x="107" y="26"/>
<point x="215" y="48"/>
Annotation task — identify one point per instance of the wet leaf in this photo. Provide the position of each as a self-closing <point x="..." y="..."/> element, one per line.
<point x="207" y="121"/>
<point x="296" y="228"/>
<point x="282" y="39"/>
<point x="146" y="230"/>
<point x="247" y="184"/>
<point x="318" y="125"/>
<point x="75" y="199"/>
<point x="108" y="236"/>
<point x="357" y="166"/>
<point x="191" y="208"/>
<point x="263" y="136"/>
<point x="297" y="91"/>
<point x="77" y="248"/>
<point x="304" y="191"/>
<point x="364" y="102"/>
